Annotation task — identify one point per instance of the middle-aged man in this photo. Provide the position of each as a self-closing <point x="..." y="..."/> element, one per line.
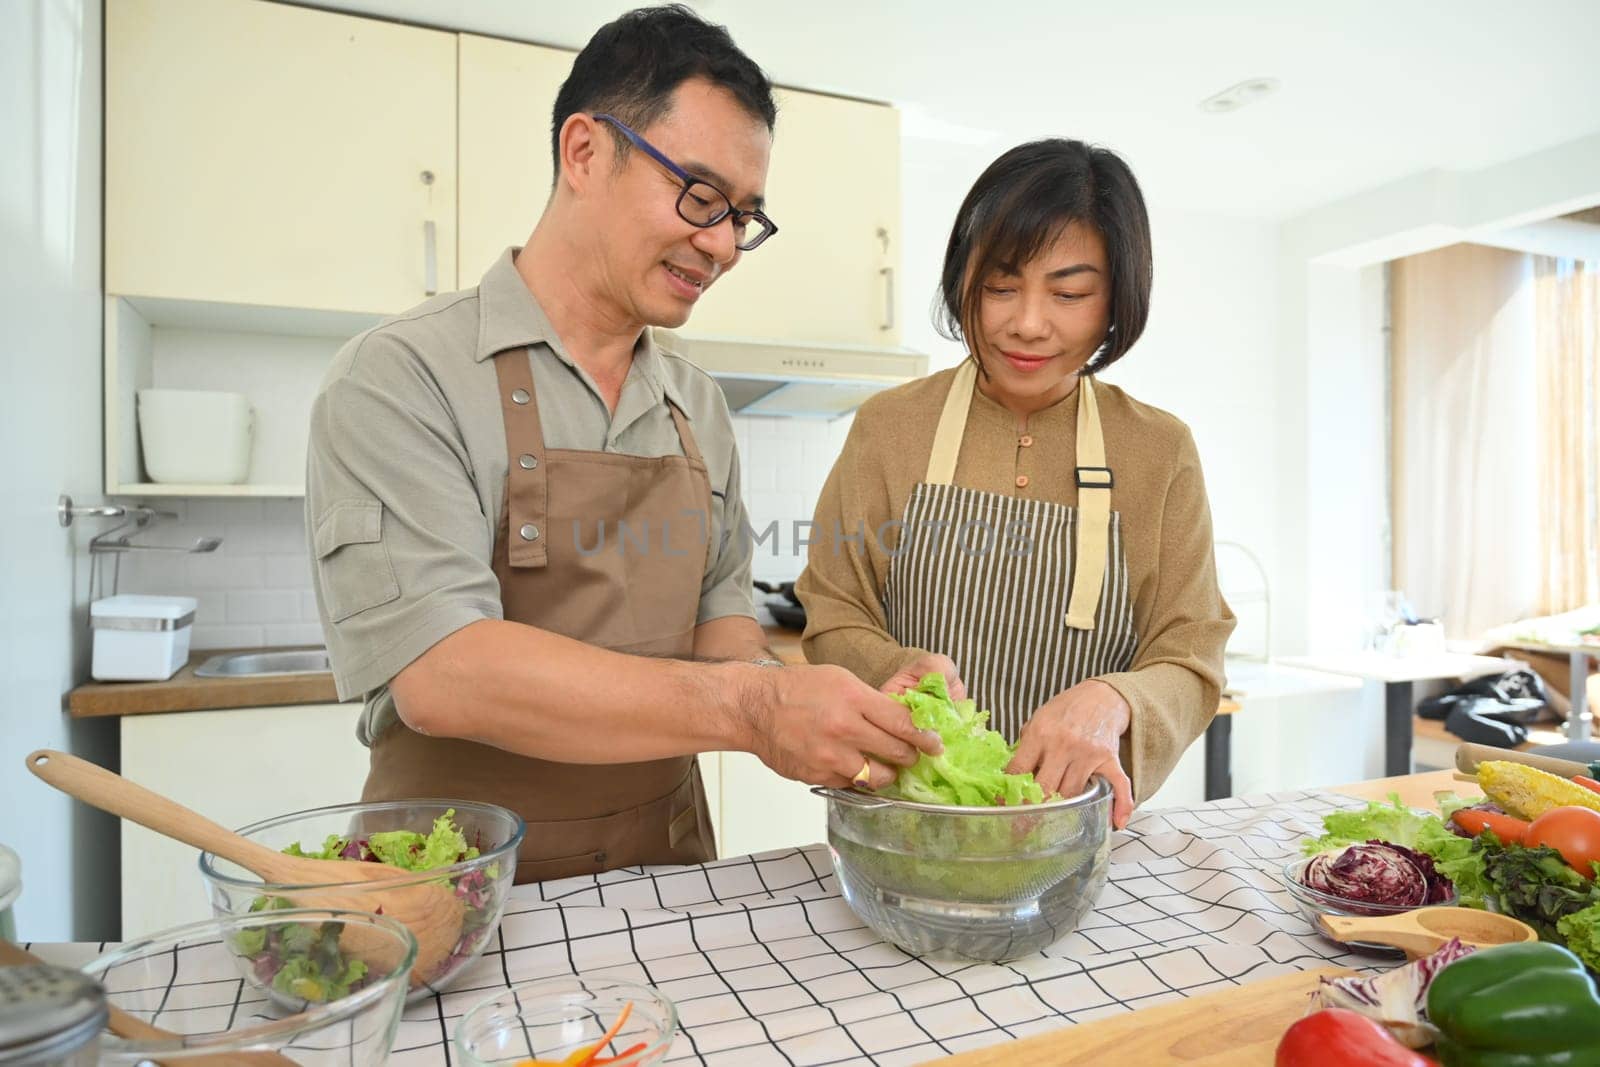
<point x="525" y="514"/>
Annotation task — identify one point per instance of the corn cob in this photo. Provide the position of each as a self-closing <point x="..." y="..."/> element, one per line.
<point x="1528" y="792"/>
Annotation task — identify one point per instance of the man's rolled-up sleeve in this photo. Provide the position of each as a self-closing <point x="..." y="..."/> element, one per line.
<point x="401" y="548"/>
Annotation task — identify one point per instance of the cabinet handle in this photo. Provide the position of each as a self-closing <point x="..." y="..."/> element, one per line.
<point x="888" y="298"/>
<point x="430" y="258"/>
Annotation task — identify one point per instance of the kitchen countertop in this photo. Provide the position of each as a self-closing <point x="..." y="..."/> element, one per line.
<point x="767" y="964"/>
<point x="184" y="692"/>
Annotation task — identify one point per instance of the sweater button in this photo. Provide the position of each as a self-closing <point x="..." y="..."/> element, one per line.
<point x="1022" y="481"/>
<point x="1025" y="440"/>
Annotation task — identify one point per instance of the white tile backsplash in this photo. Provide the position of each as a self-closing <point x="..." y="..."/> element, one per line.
<point x="256" y="590"/>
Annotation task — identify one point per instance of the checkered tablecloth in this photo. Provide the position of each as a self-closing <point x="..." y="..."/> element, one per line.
<point x="768" y="965"/>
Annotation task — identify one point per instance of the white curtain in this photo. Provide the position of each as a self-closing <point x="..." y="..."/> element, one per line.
<point x="1466" y="451"/>
<point x="1568" y="341"/>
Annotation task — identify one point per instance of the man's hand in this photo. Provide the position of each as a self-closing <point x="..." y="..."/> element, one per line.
<point x="822" y="725"/>
<point x="1074" y="736"/>
<point x="908" y="676"/>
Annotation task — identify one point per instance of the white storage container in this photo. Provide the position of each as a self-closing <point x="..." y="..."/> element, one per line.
<point x="195" y="437"/>
<point x="140" y="638"/>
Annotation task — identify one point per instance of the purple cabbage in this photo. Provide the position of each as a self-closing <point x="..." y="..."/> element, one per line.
<point x="1378" y="873"/>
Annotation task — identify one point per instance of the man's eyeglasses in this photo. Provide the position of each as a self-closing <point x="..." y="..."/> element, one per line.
<point x="701" y="203"/>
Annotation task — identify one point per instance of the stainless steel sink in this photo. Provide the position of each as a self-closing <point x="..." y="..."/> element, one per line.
<point x="261" y="664"/>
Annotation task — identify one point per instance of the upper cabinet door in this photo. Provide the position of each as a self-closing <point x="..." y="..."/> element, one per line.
<point x="261" y="153"/>
<point x="507" y="93"/>
<point x="830" y="273"/>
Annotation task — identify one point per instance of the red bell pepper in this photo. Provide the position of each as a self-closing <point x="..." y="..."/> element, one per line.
<point x="1337" y="1037"/>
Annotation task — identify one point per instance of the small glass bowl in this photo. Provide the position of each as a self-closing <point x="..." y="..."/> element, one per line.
<point x="483" y="884"/>
<point x="552" y="1018"/>
<point x="1314" y="902"/>
<point x="207" y="985"/>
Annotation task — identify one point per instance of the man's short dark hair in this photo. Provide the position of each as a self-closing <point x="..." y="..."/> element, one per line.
<point x="1020" y="204"/>
<point x="631" y="67"/>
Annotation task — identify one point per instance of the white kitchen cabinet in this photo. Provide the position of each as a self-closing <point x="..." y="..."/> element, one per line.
<point x="829" y="274"/>
<point x="506" y="93"/>
<point x="833" y="189"/>
<point x="269" y="154"/>
<point x="758" y="810"/>
<point x="234" y="766"/>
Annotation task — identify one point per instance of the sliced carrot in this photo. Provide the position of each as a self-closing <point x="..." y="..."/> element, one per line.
<point x="605" y="1039"/>
<point x="1505" y="827"/>
<point x="624" y="1054"/>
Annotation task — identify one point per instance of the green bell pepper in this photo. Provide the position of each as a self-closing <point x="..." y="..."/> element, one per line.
<point x="1524" y="1005"/>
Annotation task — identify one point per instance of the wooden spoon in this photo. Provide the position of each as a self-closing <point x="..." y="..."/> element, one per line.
<point x="432" y="911"/>
<point x="1425" y="930"/>
<point x="136" y="1029"/>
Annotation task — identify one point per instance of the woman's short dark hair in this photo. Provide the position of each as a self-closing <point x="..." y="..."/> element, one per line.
<point x="631" y="67"/>
<point x="1021" y="204"/>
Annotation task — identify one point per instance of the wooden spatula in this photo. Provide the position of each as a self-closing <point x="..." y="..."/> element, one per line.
<point x="431" y="911"/>
<point x="1425" y="930"/>
<point x="136" y="1029"/>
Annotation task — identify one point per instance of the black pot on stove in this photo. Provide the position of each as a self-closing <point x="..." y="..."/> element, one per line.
<point x="787" y="610"/>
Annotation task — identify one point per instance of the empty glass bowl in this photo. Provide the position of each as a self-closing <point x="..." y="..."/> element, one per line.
<point x="317" y="987"/>
<point x="555" y="1017"/>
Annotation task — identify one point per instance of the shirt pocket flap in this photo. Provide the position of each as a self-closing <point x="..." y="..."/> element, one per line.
<point x="351" y="522"/>
<point x="353" y="565"/>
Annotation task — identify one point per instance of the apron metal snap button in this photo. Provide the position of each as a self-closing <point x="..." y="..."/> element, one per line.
<point x="520" y="396"/>
<point x="527" y="462"/>
<point x="529" y="532"/>
<point x="600" y="857"/>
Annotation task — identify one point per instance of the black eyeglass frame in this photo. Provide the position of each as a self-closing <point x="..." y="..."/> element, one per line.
<point x="768" y="227"/>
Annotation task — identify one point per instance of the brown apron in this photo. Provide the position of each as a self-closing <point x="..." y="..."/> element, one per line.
<point x="608" y="549"/>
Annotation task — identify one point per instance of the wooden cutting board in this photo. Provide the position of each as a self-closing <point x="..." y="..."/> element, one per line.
<point x="1238" y="1027"/>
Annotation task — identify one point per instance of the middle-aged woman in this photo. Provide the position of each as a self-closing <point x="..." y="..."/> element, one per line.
<point x="1014" y="520"/>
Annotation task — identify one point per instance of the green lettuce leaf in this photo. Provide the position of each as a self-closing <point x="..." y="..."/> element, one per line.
<point x="1580" y="932"/>
<point x="970" y="772"/>
<point x="1453" y="855"/>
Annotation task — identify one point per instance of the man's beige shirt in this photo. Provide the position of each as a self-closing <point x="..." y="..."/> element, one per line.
<point x="406" y="472"/>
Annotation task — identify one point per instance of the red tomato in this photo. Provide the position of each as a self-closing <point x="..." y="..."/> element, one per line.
<point x="1573" y="832"/>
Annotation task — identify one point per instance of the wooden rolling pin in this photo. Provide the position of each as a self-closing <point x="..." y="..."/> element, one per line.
<point x="1468" y="756"/>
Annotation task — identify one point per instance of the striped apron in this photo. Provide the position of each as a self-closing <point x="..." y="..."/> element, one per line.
<point x="1027" y="597"/>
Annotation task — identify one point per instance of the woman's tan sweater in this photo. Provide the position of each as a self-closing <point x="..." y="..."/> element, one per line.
<point x="1183" y="624"/>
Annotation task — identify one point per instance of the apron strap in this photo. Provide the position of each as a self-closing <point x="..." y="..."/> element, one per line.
<point x="1094" y="513"/>
<point x="952" y="424"/>
<point x="527" y="484"/>
<point x="691" y="450"/>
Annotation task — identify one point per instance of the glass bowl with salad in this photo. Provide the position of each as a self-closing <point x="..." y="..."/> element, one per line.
<point x="958" y="859"/>
<point x="468" y="846"/>
<point x="209" y="990"/>
<point x="581" y="1021"/>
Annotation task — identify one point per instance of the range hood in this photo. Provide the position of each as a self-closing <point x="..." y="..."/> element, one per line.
<point x="793" y="380"/>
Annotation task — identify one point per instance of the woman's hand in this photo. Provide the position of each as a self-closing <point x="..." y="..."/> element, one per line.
<point x="908" y="676"/>
<point x="1075" y="735"/>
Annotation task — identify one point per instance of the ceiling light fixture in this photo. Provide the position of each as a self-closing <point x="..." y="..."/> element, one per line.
<point x="1236" y="96"/>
